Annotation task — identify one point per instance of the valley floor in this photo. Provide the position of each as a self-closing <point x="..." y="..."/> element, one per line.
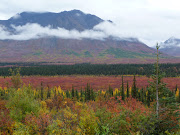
<point x="96" y="82"/>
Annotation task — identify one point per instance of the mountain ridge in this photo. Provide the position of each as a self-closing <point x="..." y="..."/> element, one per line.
<point x="66" y="19"/>
<point x="55" y="49"/>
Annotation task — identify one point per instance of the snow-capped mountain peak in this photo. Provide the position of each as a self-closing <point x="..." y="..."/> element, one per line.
<point x="171" y="42"/>
<point x="171" y="46"/>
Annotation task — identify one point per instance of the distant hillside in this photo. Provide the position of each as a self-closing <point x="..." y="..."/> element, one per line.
<point x="75" y="51"/>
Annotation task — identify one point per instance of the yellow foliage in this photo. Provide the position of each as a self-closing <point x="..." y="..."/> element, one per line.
<point x="43" y="104"/>
<point x="125" y="92"/>
<point x="59" y="123"/>
<point x="115" y="92"/>
<point x="5" y="88"/>
<point x="34" y="92"/>
<point x="20" y="129"/>
<point x="64" y="94"/>
<point x="130" y="90"/>
<point x="43" y="107"/>
<point x="177" y="93"/>
<point x="59" y="90"/>
<point x="18" y="89"/>
<point x="79" y="94"/>
<point x="138" y="90"/>
<point x="78" y="104"/>
<point x="103" y="92"/>
<point x="88" y="122"/>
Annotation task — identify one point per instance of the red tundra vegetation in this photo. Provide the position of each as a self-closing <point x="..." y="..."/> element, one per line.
<point x="96" y="82"/>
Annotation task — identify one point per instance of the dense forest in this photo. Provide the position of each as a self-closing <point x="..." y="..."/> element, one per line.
<point x="27" y="69"/>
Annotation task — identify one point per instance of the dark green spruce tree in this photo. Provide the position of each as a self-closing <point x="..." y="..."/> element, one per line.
<point x="92" y="94"/>
<point x="72" y="92"/>
<point x="48" y="92"/>
<point x="142" y="95"/>
<point x="81" y="99"/>
<point x="134" y="88"/>
<point x="77" y="95"/>
<point x="176" y="88"/>
<point x="88" y="92"/>
<point x="122" y="90"/>
<point x="110" y="91"/>
<point x="127" y="89"/>
<point x="166" y="106"/>
<point x="42" y="91"/>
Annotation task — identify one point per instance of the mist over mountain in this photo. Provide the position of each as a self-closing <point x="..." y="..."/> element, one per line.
<point x="171" y="47"/>
<point x="69" y="36"/>
<point x="72" y="24"/>
<point x="69" y="20"/>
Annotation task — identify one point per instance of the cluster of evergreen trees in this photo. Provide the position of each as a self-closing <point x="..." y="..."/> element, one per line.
<point x="171" y="70"/>
<point x="145" y="95"/>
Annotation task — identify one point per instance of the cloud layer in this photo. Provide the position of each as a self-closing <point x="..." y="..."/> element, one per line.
<point x="150" y="21"/>
<point x="33" y="31"/>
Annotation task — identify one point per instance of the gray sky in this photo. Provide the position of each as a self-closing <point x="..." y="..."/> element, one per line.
<point x="150" y="21"/>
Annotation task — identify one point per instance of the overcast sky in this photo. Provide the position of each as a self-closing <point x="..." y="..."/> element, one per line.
<point x="150" y="21"/>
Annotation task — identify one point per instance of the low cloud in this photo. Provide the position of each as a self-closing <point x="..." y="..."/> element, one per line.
<point x="150" y="21"/>
<point x="100" y="32"/>
<point x="33" y="31"/>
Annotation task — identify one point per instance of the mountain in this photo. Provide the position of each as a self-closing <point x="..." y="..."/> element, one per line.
<point x="70" y="50"/>
<point x="171" y="47"/>
<point x="74" y="19"/>
<point x="53" y="49"/>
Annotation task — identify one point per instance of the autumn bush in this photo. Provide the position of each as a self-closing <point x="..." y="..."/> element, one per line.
<point x="21" y="102"/>
<point x="45" y="110"/>
<point x="6" y="123"/>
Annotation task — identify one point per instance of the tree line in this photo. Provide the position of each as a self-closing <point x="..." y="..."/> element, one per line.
<point x="27" y="69"/>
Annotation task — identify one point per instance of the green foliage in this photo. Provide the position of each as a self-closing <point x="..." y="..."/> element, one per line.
<point x="37" y="53"/>
<point x="20" y="129"/>
<point x="22" y="102"/>
<point x="122" y="90"/>
<point x="110" y="91"/>
<point x="72" y="92"/>
<point x="42" y="91"/>
<point x="167" y="109"/>
<point x="104" y="121"/>
<point x="104" y="131"/>
<point x="89" y="94"/>
<point x="70" y="52"/>
<point x="16" y="78"/>
<point x="119" y="53"/>
<point x="127" y="89"/>
<point x="77" y="95"/>
<point x="87" y="122"/>
<point x="87" y="54"/>
<point x="28" y="69"/>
